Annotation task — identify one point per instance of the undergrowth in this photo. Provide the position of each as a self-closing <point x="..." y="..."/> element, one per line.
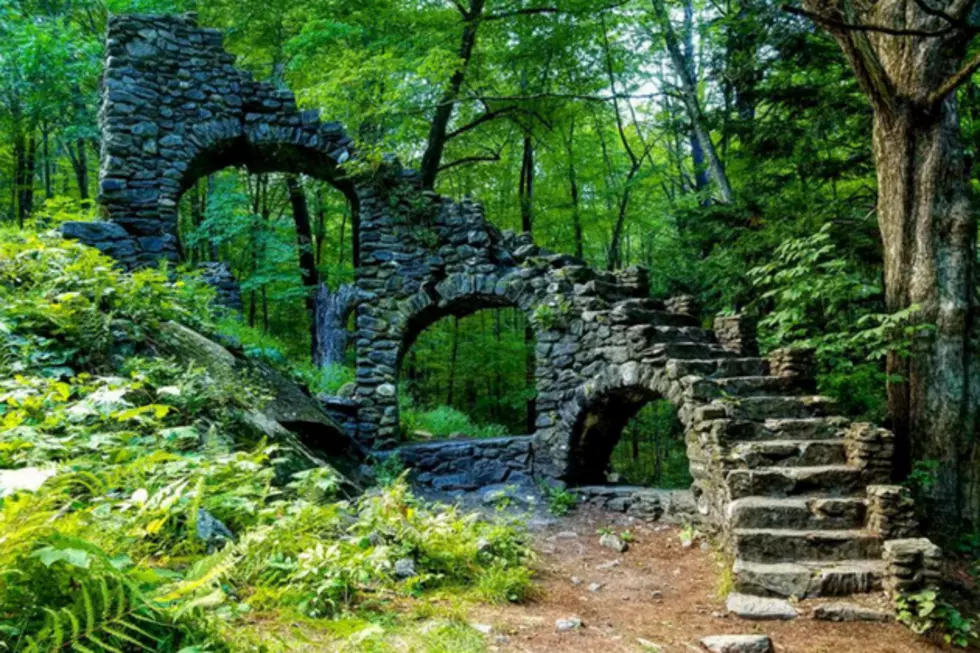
<point x="136" y="515"/>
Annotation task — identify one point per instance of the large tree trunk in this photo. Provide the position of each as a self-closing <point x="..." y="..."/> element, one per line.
<point x="928" y="227"/>
<point x="927" y="218"/>
<point x="332" y="312"/>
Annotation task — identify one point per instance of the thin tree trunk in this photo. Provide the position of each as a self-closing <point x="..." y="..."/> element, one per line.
<point x="454" y="350"/>
<point x="333" y="309"/>
<point x="689" y="95"/>
<point x="436" y="143"/>
<point x="697" y="151"/>
<point x="307" y="260"/>
<point x="30" y="161"/>
<point x="46" y="152"/>
<point x="20" y="164"/>
<point x="573" y="190"/>
<point x="525" y="190"/>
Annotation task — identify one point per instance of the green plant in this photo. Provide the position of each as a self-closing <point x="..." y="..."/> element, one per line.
<point x="388" y="469"/>
<point x="560" y="501"/>
<point x="925" y="612"/>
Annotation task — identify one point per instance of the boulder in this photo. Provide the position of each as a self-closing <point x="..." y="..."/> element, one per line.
<point x="289" y="417"/>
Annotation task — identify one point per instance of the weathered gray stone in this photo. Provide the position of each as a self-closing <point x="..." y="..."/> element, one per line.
<point x="757" y="607"/>
<point x="850" y="612"/>
<point x="737" y="644"/>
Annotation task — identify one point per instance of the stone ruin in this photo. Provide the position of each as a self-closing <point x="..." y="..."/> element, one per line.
<point x="799" y="494"/>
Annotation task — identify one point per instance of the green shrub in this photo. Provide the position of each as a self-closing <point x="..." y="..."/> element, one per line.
<point x="442" y="422"/>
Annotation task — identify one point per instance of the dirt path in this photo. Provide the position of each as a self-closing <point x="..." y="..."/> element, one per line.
<point x="659" y="592"/>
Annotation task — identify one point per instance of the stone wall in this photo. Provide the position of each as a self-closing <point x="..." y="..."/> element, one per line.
<point x="650" y="504"/>
<point x="468" y="465"/>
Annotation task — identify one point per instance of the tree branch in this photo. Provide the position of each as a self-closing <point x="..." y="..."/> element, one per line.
<point x="468" y="160"/>
<point x="530" y="11"/>
<point x="956" y="80"/>
<point x="828" y="21"/>
<point x="486" y="117"/>
<point x="536" y="11"/>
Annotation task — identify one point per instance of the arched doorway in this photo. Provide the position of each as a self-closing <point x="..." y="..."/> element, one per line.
<point x="469" y="376"/>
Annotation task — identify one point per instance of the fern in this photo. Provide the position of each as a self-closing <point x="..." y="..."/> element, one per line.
<point x="109" y="614"/>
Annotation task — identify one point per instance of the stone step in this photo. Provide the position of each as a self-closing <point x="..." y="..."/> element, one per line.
<point x="825" y="480"/>
<point x="746" y="386"/>
<point x="629" y="313"/>
<point x="798" y="513"/>
<point x="730" y="432"/>
<point x="789" y="453"/>
<point x="808" y="578"/>
<point x="642" y="336"/>
<point x="786" y="545"/>
<point x="763" y="408"/>
<point x="718" y="368"/>
<point x="659" y="352"/>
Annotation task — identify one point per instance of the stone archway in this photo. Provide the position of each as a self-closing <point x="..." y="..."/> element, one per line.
<point x="174" y="109"/>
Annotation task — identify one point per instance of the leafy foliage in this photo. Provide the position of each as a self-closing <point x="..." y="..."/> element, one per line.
<point x="133" y="516"/>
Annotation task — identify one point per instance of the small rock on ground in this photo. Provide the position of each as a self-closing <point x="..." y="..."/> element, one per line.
<point x="613" y="542"/>
<point x="738" y="644"/>
<point x="747" y="606"/>
<point x="609" y="565"/>
<point x="849" y="612"/>
<point x="595" y="587"/>
<point x="565" y="625"/>
<point x="404" y="568"/>
<point x="648" y="646"/>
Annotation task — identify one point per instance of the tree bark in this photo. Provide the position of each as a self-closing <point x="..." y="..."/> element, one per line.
<point x="928" y="224"/>
<point x="333" y="309"/>
<point x="79" y="164"/>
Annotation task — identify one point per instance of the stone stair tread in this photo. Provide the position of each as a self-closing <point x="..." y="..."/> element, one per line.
<point x="809" y="533"/>
<point x="789" y="453"/>
<point x="808" y="578"/>
<point x="802" y="500"/>
<point x="716" y="368"/>
<point x="789" y="545"/>
<point x="762" y="408"/>
<point x="822" y="480"/>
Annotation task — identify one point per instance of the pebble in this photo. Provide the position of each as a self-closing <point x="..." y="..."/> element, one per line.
<point x="565" y="625"/>
<point x="613" y="542"/>
<point x="595" y="587"/>
<point x="609" y="565"/>
<point x="482" y="628"/>
<point x="648" y="646"/>
<point x="576" y="580"/>
<point x="656" y="594"/>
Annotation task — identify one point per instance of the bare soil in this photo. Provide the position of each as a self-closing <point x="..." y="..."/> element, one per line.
<point x="660" y="593"/>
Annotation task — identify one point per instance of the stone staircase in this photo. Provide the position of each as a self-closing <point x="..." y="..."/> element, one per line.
<point x="797" y="515"/>
<point x="795" y="474"/>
